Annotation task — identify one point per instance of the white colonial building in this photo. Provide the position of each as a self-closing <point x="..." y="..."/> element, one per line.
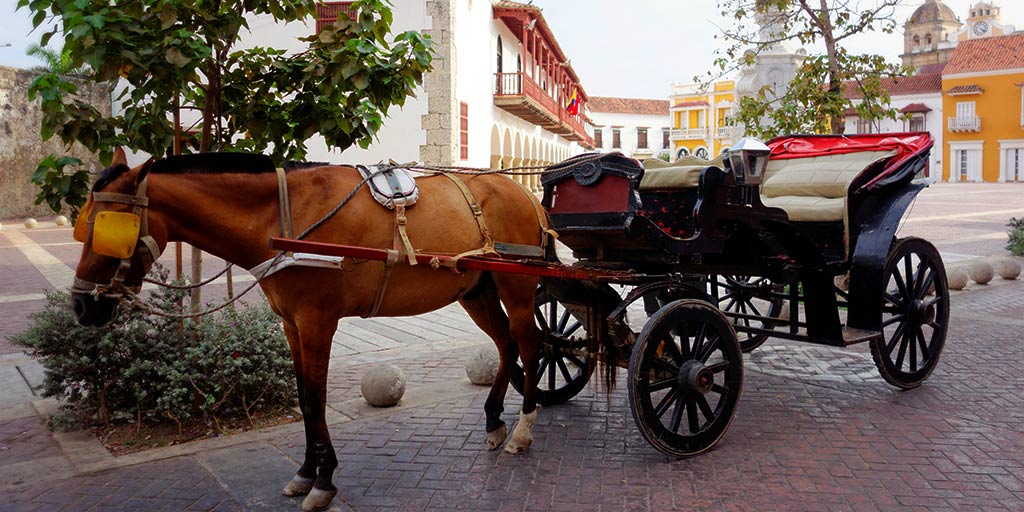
<point x="496" y="97"/>
<point x="639" y="128"/>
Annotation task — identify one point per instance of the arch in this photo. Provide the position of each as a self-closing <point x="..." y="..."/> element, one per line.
<point x="682" y="151"/>
<point x="506" y="149"/>
<point x="928" y="39"/>
<point x="917" y="40"/>
<point x="702" y="152"/>
<point x="517" y="151"/>
<point x="495" y="147"/>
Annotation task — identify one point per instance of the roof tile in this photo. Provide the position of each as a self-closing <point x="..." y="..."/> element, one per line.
<point x="901" y="85"/>
<point x="987" y="54"/>
<point x="628" y="106"/>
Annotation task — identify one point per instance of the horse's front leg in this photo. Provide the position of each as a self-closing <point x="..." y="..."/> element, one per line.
<point x="315" y="477"/>
<point x="302" y="482"/>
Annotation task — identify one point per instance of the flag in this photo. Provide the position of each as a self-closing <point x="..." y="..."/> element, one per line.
<point x="573" y="107"/>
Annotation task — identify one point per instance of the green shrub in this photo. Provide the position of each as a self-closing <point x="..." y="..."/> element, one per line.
<point x="233" y="362"/>
<point x="1016" y="243"/>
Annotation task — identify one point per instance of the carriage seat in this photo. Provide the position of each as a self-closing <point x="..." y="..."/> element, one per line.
<point x="814" y="189"/>
<point x="682" y="173"/>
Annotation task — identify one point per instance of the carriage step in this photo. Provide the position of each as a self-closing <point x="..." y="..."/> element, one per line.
<point x="853" y="335"/>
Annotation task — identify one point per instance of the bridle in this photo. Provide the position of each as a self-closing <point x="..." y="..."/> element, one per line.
<point x="143" y="244"/>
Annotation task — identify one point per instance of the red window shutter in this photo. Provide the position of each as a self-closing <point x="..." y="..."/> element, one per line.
<point x="327" y="13"/>
<point x="463" y="130"/>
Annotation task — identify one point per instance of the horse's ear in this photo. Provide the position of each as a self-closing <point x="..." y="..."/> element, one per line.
<point x="145" y="168"/>
<point x="119" y="157"/>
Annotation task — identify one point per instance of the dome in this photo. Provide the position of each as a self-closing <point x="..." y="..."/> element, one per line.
<point x="932" y="11"/>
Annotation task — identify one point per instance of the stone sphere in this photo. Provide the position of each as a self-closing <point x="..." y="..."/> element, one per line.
<point x="31" y="223"/>
<point x="482" y="365"/>
<point x="383" y="385"/>
<point x="980" y="271"/>
<point x="61" y="220"/>
<point x="957" y="278"/>
<point x="1007" y="268"/>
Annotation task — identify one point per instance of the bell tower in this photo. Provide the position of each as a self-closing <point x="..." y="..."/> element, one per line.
<point x="926" y="32"/>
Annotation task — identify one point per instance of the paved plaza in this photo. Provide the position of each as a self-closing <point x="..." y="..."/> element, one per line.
<point x="816" y="430"/>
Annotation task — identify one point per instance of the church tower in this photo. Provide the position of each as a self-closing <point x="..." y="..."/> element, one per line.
<point x="925" y="34"/>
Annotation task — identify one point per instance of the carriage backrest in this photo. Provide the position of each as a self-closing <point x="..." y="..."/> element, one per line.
<point x="820" y="176"/>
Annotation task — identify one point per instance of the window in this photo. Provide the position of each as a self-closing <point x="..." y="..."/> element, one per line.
<point x="499" y="55"/>
<point x="864" y="126"/>
<point x="641" y="138"/>
<point x="1014" y="167"/>
<point x="928" y="39"/>
<point x="616" y="138"/>
<point x="327" y="13"/>
<point x="962" y="165"/>
<point x="598" y="139"/>
<point x="965" y="109"/>
<point x="665" y="133"/>
<point x="917" y="123"/>
<point x="917" y="41"/>
<point x="463" y="130"/>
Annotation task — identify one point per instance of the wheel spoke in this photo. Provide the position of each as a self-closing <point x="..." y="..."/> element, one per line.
<point x="698" y="342"/>
<point x="754" y="308"/>
<point x="667" y="400"/>
<point x="893" y="319"/>
<point x="927" y="283"/>
<point x="572" y="328"/>
<point x="575" y="360"/>
<point x="900" y="285"/>
<point x="665" y="366"/>
<point x="565" y="370"/>
<point x="662" y="384"/>
<point x="919" y="278"/>
<point x="726" y="296"/>
<point x="566" y="315"/>
<point x="730" y="305"/>
<point x="541" y="365"/>
<point x="924" y="345"/>
<point x="908" y="275"/>
<point x="677" y="413"/>
<point x="717" y="367"/>
<point x="552" y="315"/>
<point x="691" y="415"/>
<point x="720" y="389"/>
<point x="672" y="350"/>
<point x="893" y="299"/>
<point x="709" y="349"/>
<point x="551" y="375"/>
<point x="934" y="301"/>
<point x="895" y="338"/>
<point x="912" y="341"/>
<point x="705" y="408"/>
<point x="903" y="350"/>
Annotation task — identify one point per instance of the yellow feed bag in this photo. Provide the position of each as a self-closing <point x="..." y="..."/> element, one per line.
<point x="81" y="233"/>
<point x="115" y="234"/>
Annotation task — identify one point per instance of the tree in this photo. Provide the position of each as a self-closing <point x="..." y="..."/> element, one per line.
<point x="55" y="61"/>
<point x="160" y="54"/>
<point x="814" y="101"/>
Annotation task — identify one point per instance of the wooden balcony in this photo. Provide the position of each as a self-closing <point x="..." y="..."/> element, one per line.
<point x="518" y="94"/>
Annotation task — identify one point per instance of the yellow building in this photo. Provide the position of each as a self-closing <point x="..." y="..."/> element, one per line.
<point x="983" y="102"/>
<point x="700" y="117"/>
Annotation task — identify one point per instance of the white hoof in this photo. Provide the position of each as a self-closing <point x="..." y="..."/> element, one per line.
<point x="318" y="499"/>
<point x="522" y="436"/>
<point x="495" y="438"/>
<point x="298" y="486"/>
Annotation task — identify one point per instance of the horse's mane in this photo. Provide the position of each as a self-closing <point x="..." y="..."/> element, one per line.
<point x="206" y="163"/>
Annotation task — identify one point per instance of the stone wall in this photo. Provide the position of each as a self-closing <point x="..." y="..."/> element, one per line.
<point x="21" y="148"/>
<point x="441" y="120"/>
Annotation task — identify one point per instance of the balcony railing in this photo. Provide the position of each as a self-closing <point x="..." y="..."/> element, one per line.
<point x="725" y="132"/>
<point x="552" y="117"/>
<point x="689" y="133"/>
<point x="964" y="124"/>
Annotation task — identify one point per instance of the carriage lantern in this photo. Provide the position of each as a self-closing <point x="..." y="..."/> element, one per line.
<point x="748" y="159"/>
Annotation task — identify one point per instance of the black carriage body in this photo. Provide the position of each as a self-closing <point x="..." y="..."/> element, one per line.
<point x="720" y="227"/>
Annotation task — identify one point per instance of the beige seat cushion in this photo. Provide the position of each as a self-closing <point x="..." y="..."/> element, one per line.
<point x="820" y="176"/>
<point x="809" y="209"/>
<point x="681" y="173"/>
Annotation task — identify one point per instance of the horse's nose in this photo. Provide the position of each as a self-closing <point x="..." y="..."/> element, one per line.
<point x="90" y="311"/>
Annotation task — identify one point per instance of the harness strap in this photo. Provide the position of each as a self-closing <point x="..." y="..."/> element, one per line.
<point x="478" y="216"/>
<point x="285" y="205"/>
<point x="542" y="218"/>
<point x="137" y="201"/>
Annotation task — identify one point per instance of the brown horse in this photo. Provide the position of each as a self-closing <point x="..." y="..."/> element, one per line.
<point x="227" y="205"/>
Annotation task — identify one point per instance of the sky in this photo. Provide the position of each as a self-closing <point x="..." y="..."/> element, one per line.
<point x="636" y="48"/>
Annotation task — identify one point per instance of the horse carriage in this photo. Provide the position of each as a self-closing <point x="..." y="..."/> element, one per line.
<point x="679" y="268"/>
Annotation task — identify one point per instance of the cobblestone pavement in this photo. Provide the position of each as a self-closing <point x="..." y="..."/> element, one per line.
<point x="817" y="428"/>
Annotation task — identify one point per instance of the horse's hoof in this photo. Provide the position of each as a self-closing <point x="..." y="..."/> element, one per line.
<point x="318" y="499"/>
<point x="298" y="486"/>
<point x="496" y="437"/>
<point x="522" y="436"/>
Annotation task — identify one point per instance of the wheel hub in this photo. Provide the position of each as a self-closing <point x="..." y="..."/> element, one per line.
<point x="921" y="312"/>
<point x="695" y="377"/>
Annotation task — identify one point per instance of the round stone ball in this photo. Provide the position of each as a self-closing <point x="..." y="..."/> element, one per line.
<point x="980" y="271"/>
<point x="61" y="220"/>
<point x="957" y="278"/>
<point x="482" y="365"/>
<point x="383" y="385"/>
<point x="1007" y="268"/>
<point x="31" y="223"/>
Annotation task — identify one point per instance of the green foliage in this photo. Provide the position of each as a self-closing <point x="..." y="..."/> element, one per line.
<point x="53" y="60"/>
<point x="155" y="54"/>
<point x="1015" y="244"/>
<point x="58" y="186"/>
<point x="814" y="101"/>
<point x="142" y="365"/>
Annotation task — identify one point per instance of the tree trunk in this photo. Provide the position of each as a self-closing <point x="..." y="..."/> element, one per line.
<point x="835" y="85"/>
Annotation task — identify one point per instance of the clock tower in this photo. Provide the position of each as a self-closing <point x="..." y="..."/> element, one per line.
<point x="983" y="20"/>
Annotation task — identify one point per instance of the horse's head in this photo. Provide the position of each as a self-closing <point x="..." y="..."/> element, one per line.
<point x="118" y="248"/>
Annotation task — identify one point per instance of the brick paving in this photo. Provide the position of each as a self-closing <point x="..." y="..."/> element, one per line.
<point x="816" y="430"/>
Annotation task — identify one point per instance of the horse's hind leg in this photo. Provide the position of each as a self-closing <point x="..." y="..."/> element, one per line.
<point x="484" y="308"/>
<point x="518" y="295"/>
<point x="315" y="335"/>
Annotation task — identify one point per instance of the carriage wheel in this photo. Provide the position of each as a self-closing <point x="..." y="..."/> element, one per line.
<point x="562" y="372"/>
<point x="915" y="314"/>
<point x="685" y="376"/>
<point x="746" y="295"/>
